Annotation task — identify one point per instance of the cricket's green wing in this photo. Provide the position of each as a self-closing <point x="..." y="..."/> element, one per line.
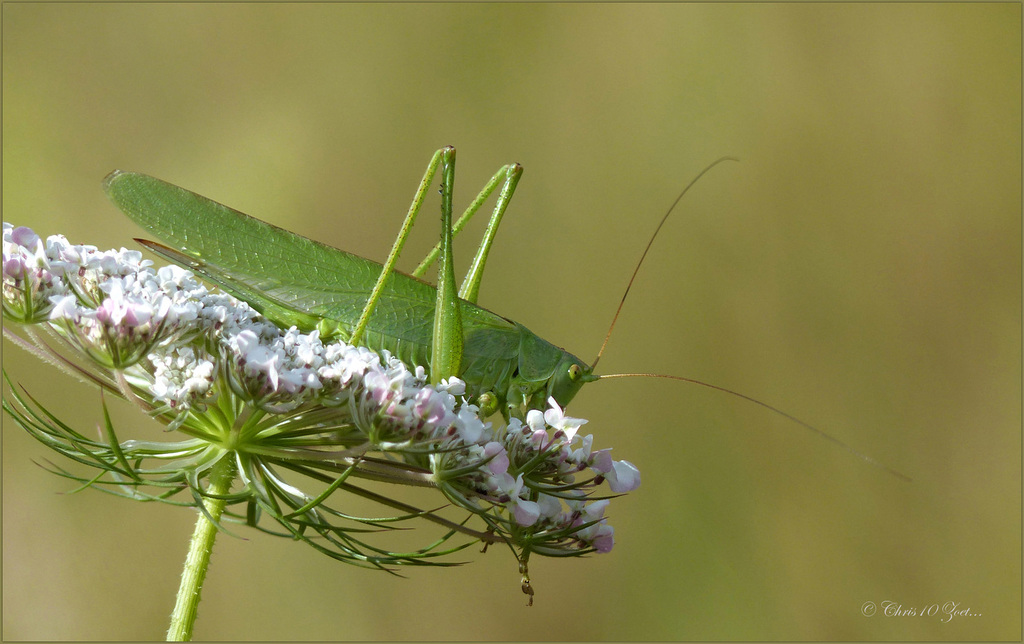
<point x="297" y="281"/>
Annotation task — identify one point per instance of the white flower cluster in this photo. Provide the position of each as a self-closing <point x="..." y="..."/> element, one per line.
<point x="29" y="278"/>
<point x="181" y="346"/>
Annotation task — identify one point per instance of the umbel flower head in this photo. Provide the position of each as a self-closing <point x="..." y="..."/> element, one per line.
<point x="283" y="410"/>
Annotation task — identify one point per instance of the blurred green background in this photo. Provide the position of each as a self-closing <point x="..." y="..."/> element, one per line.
<point x="861" y="268"/>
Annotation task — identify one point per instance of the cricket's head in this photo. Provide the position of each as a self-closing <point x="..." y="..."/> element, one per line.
<point x="569" y="376"/>
<point x="561" y="383"/>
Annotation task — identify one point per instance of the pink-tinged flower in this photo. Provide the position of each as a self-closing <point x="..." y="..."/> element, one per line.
<point x="453" y="386"/>
<point x="525" y="512"/>
<point x="604" y="540"/>
<point x="499" y="458"/>
<point x="595" y="510"/>
<point x="28" y="239"/>
<point x="295" y="380"/>
<point x="428" y="405"/>
<point x="535" y="420"/>
<point x="602" y="463"/>
<point x="65" y="307"/>
<point x="624" y="477"/>
<point x="550" y="507"/>
<point x="468" y="423"/>
<point x="15" y="268"/>
<point x="539" y="439"/>
<point x="257" y="357"/>
<point x="581" y="455"/>
<point x="307" y="348"/>
<point x="117" y="310"/>
<point x="377" y="386"/>
<point x="598" y="535"/>
<point x="557" y="419"/>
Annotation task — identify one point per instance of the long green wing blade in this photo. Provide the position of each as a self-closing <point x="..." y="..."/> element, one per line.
<point x="293" y="270"/>
<point x="291" y="279"/>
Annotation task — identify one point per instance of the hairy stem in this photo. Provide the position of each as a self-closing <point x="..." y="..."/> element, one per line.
<point x="198" y="559"/>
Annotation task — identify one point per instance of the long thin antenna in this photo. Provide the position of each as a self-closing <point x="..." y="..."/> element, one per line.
<point x="615" y="318"/>
<point x="776" y="410"/>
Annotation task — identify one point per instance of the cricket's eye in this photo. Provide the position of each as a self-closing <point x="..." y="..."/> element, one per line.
<point x="574" y="372"/>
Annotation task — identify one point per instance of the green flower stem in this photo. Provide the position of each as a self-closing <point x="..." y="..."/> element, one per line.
<point x="198" y="559"/>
